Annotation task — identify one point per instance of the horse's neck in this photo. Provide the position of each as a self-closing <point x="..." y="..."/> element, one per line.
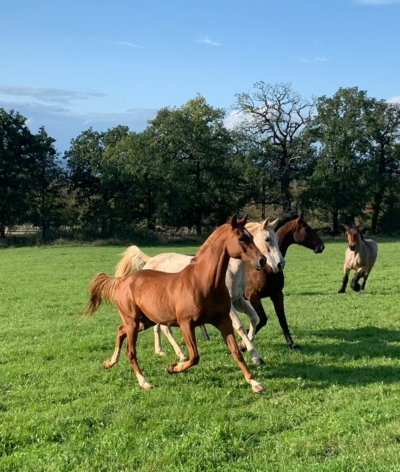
<point x="285" y="239"/>
<point x="211" y="264"/>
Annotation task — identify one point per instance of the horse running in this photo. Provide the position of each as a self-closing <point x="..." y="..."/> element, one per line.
<point x="265" y="239"/>
<point x="359" y="256"/>
<point x="267" y="283"/>
<point x="194" y="296"/>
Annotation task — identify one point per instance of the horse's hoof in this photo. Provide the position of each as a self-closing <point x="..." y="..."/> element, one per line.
<point x="146" y="386"/>
<point x="257" y="361"/>
<point x="294" y="347"/>
<point x="257" y="388"/>
<point x="171" y="368"/>
<point x="341" y="291"/>
<point x="357" y="288"/>
<point x="106" y="364"/>
<point x="160" y="353"/>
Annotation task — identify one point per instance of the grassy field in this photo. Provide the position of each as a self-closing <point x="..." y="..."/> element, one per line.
<point x="333" y="406"/>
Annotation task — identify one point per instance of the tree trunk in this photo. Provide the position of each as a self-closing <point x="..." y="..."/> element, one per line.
<point x="2" y="232"/>
<point x="335" y="222"/>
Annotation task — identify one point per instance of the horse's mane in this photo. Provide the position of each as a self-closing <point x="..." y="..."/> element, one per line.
<point x="252" y="224"/>
<point x="210" y="240"/>
<point x="285" y="218"/>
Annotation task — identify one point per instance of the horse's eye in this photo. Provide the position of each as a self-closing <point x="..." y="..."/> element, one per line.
<point x="241" y="239"/>
<point x="268" y="240"/>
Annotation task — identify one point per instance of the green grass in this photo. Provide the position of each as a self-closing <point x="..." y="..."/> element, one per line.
<point x="333" y="406"/>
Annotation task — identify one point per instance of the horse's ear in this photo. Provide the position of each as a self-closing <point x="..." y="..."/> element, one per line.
<point x="269" y="223"/>
<point x="234" y="221"/>
<point x="300" y="216"/>
<point x="346" y="228"/>
<point x="243" y="220"/>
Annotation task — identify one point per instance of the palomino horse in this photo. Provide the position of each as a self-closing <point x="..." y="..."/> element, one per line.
<point x="194" y="296"/>
<point x="265" y="239"/>
<point x="359" y="256"/>
<point x="266" y="283"/>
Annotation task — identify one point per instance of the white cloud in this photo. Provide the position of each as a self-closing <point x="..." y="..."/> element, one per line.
<point x="47" y="94"/>
<point x="207" y="40"/>
<point x="395" y="99"/>
<point x="316" y="59"/>
<point x="234" y="118"/>
<point x="377" y="2"/>
<point x="132" y="45"/>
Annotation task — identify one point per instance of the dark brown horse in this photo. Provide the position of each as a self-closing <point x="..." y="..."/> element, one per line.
<point x="194" y="296"/>
<point x="290" y="230"/>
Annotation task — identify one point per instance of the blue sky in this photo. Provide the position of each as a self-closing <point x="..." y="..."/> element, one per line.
<point x="69" y="65"/>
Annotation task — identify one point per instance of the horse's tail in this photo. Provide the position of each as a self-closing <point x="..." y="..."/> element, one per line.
<point x="102" y="286"/>
<point x="133" y="259"/>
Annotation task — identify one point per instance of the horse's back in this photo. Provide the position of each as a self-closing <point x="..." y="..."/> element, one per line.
<point x="168" y="262"/>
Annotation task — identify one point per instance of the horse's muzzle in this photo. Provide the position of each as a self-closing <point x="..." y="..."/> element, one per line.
<point x="352" y="247"/>
<point x="261" y="263"/>
<point x="319" y="249"/>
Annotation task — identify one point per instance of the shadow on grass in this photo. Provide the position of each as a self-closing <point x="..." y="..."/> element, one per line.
<point x="365" y="345"/>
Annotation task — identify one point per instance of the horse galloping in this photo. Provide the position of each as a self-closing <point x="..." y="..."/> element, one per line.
<point x="194" y="296"/>
<point x="290" y="229"/>
<point x="266" y="240"/>
<point x="359" y="256"/>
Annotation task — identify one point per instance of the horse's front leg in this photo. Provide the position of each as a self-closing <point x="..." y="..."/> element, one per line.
<point x="189" y="337"/>
<point x="245" y="343"/>
<point x="178" y="351"/>
<point x="344" y="280"/>
<point x="357" y="276"/>
<point x="256" y="303"/>
<point x="241" y="305"/>
<point x="365" y="277"/>
<point x="224" y="325"/>
<point x="278" y="301"/>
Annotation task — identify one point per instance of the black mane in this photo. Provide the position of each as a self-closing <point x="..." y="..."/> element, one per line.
<point x="283" y="220"/>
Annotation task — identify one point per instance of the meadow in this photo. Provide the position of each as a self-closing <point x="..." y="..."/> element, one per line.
<point x="332" y="406"/>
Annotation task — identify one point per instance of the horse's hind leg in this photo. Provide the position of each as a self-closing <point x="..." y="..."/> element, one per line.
<point x="278" y="301"/>
<point x="121" y="335"/>
<point x="224" y="325"/>
<point x="344" y="280"/>
<point x="178" y="351"/>
<point x="132" y="325"/>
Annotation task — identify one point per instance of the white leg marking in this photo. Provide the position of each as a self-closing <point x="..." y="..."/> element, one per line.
<point x="143" y="382"/>
<point x="168" y="333"/>
<point x="256" y="386"/>
<point x="241" y="330"/>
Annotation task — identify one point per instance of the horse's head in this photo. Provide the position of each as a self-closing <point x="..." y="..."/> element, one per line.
<point x="305" y="236"/>
<point x="352" y="234"/>
<point x="267" y="241"/>
<point x="240" y="244"/>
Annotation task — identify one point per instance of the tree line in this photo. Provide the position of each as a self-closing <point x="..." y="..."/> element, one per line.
<point x="337" y="158"/>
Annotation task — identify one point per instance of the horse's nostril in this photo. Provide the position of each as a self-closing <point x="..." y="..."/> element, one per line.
<point x="280" y="266"/>
<point x="262" y="262"/>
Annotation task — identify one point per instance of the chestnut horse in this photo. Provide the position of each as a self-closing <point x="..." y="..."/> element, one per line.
<point x="194" y="296"/>
<point x="266" y="240"/>
<point x="359" y="256"/>
<point x="265" y="283"/>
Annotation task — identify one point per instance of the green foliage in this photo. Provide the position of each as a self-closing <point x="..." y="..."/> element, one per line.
<point x="331" y="406"/>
